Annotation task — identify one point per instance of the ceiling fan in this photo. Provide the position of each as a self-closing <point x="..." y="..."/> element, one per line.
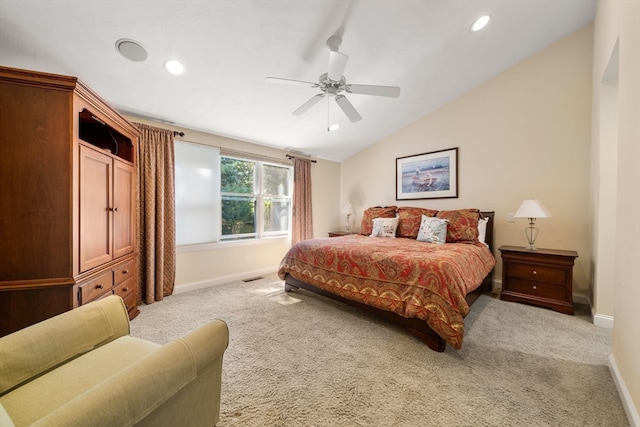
<point x="333" y="84"/>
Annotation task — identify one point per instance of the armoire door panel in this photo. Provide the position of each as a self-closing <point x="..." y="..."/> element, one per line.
<point x="123" y="206"/>
<point x="96" y="217"/>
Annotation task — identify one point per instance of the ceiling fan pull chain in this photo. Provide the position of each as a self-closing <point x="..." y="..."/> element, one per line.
<point x="328" y="118"/>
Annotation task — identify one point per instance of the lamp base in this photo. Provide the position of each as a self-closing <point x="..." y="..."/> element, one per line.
<point x="532" y="233"/>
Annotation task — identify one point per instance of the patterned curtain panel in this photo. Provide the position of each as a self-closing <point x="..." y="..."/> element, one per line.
<point x="302" y="222"/>
<point x="156" y="242"/>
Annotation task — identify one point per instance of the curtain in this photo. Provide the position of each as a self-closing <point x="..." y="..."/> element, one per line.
<point x="302" y="221"/>
<point x="156" y="230"/>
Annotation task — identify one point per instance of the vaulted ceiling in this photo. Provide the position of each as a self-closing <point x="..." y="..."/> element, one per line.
<point x="228" y="48"/>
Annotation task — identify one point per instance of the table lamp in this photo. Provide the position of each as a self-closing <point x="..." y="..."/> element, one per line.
<point x="532" y="209"/>
<point x="348" y="210"/>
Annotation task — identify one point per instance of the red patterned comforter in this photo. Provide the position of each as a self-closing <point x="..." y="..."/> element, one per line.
<point x="411" y="278"/>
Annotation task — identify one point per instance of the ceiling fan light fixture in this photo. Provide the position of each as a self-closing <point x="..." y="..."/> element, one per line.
<point x="334" y="126"/>
<point x="480" y="23"/>
<point x="174" y="66"/>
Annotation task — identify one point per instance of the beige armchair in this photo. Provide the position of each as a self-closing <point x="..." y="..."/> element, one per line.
<point x="83" y="368"/>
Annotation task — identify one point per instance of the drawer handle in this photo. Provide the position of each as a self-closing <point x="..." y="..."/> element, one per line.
<point x="535" y="287"/>
<point x="125" y="271"/>
<point x="535" y="272"/>
<point x="100" y="286"/>
<point x="125" y="289"/>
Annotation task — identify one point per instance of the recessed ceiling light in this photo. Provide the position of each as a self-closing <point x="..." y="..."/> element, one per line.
<point x="334" y="126"/>
<point x="480" y="23"/>
<point x="131" y="50"/>
<point x="174" y="67"/>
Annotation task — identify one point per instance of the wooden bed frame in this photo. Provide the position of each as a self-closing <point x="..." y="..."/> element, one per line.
<point x="416" y="327"/>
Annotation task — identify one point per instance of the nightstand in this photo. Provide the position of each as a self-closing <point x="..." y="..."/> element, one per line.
<point x="340" y="233"/>
<point x="542" y="277"/>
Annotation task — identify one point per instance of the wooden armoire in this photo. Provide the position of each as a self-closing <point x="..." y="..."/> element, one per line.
<point x="67" y="198"/>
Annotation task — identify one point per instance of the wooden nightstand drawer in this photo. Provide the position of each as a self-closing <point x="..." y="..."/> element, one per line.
<point x="539" y="289"/>
<point x="542" y="277"/>
<point x="539" y="273"/>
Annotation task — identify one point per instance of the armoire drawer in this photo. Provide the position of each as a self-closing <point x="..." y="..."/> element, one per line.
<point x="126" y="291"/>
<point x="123" y="272"/>
<point x="94" y="288"/>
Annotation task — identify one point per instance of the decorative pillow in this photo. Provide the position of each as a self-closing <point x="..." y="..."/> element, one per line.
<point x="463" y="224"/>
<point x="384" y="227"/>
<point x="366" y="226"/>
<point x="432" y="230"/>
<point x="410" y="219"/>
<point x="482" y="230"/>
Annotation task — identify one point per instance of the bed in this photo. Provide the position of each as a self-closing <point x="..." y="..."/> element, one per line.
<point x="425" y="287"/>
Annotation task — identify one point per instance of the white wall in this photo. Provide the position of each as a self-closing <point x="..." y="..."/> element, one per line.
<point x="616" y="124"/>
<point x="228" y="261"/>
<point x="524" y="134"/>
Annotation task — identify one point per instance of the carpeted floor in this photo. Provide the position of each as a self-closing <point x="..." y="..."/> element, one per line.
<point x="300" y="359"/>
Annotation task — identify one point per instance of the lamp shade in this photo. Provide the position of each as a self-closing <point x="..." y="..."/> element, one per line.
<point x="532" y="208"/>
<point x="348" y="209"/>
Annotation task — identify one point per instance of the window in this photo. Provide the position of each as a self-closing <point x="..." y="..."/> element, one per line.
<point x="197" y="179"/>
<point x="229" y="197"/>
<point x="256" y="198"/>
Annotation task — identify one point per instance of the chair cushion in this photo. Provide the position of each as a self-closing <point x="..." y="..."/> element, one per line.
<point x="39" y="397"/>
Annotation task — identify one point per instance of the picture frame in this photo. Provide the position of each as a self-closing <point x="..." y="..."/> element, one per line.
<point x="431" y="175"/>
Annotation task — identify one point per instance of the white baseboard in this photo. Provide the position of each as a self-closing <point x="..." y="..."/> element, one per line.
<point x="602" y="320"/>
<point x="629" y="407"/>
<point x="580" y="299"/>
<point x="497" y="286"/>
<point x="202" y="284"/>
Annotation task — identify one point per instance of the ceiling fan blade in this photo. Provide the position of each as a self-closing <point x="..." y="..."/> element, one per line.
<point x="390" y="91"/>
<point x="337" y="64"/>
<point x="290" y="81"/>
<point x="310" y="103"/>
<point x="348" y="108"/>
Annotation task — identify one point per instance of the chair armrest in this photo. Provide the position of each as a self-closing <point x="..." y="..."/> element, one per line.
<point x="135" y="392"/>
<point x="33" y="351"/>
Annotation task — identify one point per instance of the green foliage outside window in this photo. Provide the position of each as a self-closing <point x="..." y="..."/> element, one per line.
<point x="238" y="212"/>
<point x="240" y="197"/>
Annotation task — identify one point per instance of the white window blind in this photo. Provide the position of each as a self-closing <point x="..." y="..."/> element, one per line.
<point x="197" y="193"/>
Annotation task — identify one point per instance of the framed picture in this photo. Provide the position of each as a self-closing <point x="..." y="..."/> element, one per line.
<point x="427" y="176"/>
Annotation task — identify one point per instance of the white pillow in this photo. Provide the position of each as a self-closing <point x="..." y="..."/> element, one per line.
<point x="482" y="229"/>
<point x="384" y="227"/>
<point x="432" y="230"/>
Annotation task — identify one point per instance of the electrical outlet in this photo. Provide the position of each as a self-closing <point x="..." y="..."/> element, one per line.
<point x="510" y="217"/>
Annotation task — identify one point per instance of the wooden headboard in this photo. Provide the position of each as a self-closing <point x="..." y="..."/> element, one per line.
<point x="488" y="281"/>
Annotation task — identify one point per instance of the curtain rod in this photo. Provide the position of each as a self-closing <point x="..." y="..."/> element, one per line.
<point x="245" y="153"/>
<point x="289" y="156"/>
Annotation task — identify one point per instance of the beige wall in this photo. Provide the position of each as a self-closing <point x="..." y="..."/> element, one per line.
<point x="228" y="261"/>
<point x="616" y="126"/>
<point x="524" y="134"/>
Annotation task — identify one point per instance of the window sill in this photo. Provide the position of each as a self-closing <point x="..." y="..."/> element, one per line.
<point x="229" y="244"/>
